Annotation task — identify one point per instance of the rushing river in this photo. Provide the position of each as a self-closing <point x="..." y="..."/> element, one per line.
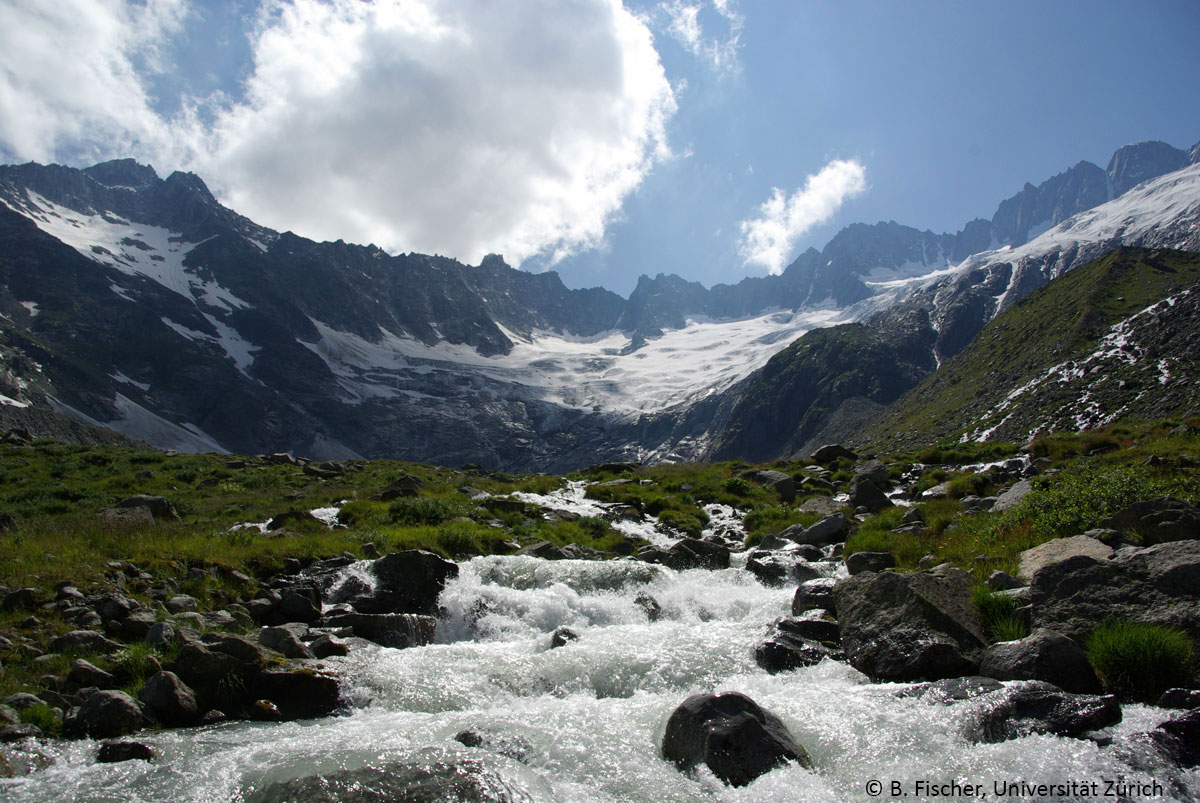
<point x="583" y="722"/>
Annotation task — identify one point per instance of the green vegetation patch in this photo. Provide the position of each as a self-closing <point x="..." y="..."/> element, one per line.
<point x="1138" y="661"/>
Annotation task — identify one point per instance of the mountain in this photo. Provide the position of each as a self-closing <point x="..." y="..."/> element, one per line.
<point x="1117" y="336"/>
<point x="144" y="305"/>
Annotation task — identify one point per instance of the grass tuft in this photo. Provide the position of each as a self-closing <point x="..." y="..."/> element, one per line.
<point x="1138" y="661"/>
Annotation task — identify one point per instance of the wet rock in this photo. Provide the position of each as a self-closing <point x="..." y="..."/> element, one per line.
<point x="1042" y="655"/>
<point x="1156" y="585"/>
<point x="1179" y="739"/>
<point x="1042" y="708"/>
<point x="1060" y="549"/>
<point x="293" y="518"/>
<point x="451" y="779"/>
<point x="953" y="690"/>
<point x="19" y="731"/>
<point x="169" y="700"/>
<point x="693" y="553"/>
<point x="797" y="643"/>
<point x="1158" y="521"/>
<point x="1180" y="698"/>
<point x="648" y="604"/>
<point x="910" y="626"/>
<point x="114" y="752"/>
<point x="104" y="715"/>
<point x="732" y="735"/>
<point x="514" y="746"/>
<point x="388" y="630"/>
<point x="771" y="570"/>
<point x="298" y="693"/>
<point x="562" y="636"/>
<point x="416" y="577"/>
<point x="816" y="594"/>
<point x="870" y="562"/>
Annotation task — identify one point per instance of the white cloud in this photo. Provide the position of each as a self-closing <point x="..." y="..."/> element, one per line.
<point x="767" y="240"/>
<point x="417" y="125"/>
<point x="685" y="27"/>
<point x="71" y="76"/>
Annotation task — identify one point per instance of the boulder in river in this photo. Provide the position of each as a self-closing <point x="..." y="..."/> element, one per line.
<point x="169" y="700"/>
<point x="415" y="577"/>
<point x="451" y="778"/>
<point x="105" y="714"/>
<point x="387" y="629"/>
<point x="1038" y="707"/>
<point x="732" y="735"/>
<point x="920" y="626"/>
<point x="1042" y="655"/>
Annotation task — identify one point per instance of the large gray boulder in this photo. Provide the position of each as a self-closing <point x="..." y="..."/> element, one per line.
<point x="779" y="482"/>
<point x="1031" y="560"/>
<point x="1157" y="585"/>
<point x="694" y="553"/>
<point x="1158" y="521"/>
<point x="901" y="627"/>
<point x="1042" y="655"/>
<point x="1012" y="496"/>
<point x="829" y="530"/>
<point x="297" y="693"/>
<point x="864" y="492"/>
<point x="732" y="735"/>
<point x="105" y="715"/>
<point x="414" y="579"/>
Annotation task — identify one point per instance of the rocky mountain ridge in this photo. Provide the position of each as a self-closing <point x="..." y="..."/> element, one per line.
<point x="142" y="304"/>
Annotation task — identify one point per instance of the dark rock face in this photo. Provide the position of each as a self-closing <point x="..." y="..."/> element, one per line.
<point x="910" y="626"/>
<point x="732" y="735"/>
<point x="1043" y="655"/>
<point x="816" y="594"/>
<point x="1179" y="738"/>
<point x="797" y="643"/>
<point x="693" y="553"/>
<point x="1042" y="708"/>
<point x="297" y="693"/>
<point x="463" y="780"/>
<point x="414" y="579"/>
<point x="113" y="752"/>
<point x="1157" y="585"/>
<point x="953" y="690"/>
<point x="387" y="629"/>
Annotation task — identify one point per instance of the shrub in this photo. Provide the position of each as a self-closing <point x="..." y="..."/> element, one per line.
<point x="737" y="486"/>
<point x="966" y="485"/>
<point x="44" y="717"/>
<point x="1138" y="661"/>
<point x="417" y="510"/>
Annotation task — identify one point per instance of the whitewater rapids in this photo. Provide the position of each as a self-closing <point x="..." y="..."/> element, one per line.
<point x="584" y="722"/>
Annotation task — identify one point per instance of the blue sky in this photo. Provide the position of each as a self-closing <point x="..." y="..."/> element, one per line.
<point x="600" y="139"/>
